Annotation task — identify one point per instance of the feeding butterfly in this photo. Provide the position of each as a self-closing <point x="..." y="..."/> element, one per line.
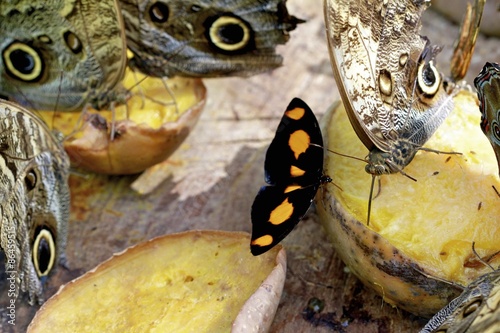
<point x="294" y="171"/>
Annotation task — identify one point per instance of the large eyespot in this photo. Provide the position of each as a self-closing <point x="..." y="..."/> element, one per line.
<point x="428" y="78"/>
<point x="73" y="42"/>
<point x="229" y="34"/>
<point x="44" y="252"/>
<point x="23" y="62"/>
<point x="159" y="13"/>
<point x="30" y="180"/>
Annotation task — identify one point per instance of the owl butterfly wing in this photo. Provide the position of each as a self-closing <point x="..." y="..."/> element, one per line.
<point x="487" y="84"/>
<point x="294" y="169"/>
<point x="61" y="53"/>
<point x="384" y="70"/>
<point x="206" y="38"/>
<point x="476" y="310"/>
<point x="34" y="196"/>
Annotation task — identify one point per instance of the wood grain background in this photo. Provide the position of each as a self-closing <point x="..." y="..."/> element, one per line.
<point x="210" y="183"/>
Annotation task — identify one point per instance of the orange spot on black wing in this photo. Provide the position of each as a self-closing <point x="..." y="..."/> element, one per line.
<point x="295" y="113"/>
<point x="281" y="213"/>
<point x="299" y="142"/>
<point x="296" y="171"/>
<point x="265" y="240"/>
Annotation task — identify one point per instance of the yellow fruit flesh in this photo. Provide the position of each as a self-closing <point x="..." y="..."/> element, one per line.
<point x="189" y="282"/>
<point x="151" y="104"/>
<point x="434" y="220"/>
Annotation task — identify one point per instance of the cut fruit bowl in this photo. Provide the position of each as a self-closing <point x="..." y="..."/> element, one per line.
<point x="196" y="281"/>
<point x="147" y="130"/>
<point x="417" y="251"/>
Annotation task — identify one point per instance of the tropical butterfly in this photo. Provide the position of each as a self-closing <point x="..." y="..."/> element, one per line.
<point x="394" y="96"/>
<point x="34" y="199"/>
<point x="61" y="53"/>
<point x="294" y="171"/>
<point x="476" y="310"/>
<point x="487" y="84"/>
<point x="206" y="38"/>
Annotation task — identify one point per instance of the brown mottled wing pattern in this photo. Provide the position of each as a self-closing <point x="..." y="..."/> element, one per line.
<point x="60" y="53"/>
<point x="206" y="38"/>
<point x="487" y="84"/>
<point x="376" y="51"/>
<point x="34" y="193"/>
<point x="476" y="310"/>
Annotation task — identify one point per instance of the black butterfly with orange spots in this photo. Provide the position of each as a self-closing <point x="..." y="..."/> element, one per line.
<point x="294" y="172"/>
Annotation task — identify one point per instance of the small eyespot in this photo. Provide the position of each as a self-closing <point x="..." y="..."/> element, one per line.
<point x="471" y="308"/>
<point x="30" y="180"/>
<point x="73" y="42"/>
<point x="159" y="13"/>
<point x="44" y="252"/>
<point x="229" y="34"/>
<point x="44" y="39"/>
<point x="403" y="59"/>
<point x="428" y="78"/>
<point x="195" y="8"/>
<point x="23" y="62"/>
<point x="385" y="82"/>
<point x="495" y="129"/>
<point x="4" y="143"/>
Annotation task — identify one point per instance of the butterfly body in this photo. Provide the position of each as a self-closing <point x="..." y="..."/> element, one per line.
<point x="206" y="38"/>
<point x="34" y="198"/>
<point x="487" y="84"/>
<point x="476" y="310"/>
<point x="394" y="96"/>
<point x="294" y="172"/>
<point x="61" y="53"/>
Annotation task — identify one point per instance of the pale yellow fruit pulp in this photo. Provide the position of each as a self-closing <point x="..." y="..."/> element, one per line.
<point x="195" y="281"/>
<point x="151" y="104"/>
<point x="452" y="204"/>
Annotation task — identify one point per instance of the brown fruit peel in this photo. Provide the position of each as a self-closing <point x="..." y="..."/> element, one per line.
<point x="397" y="277"/>
<point x="152" y="133"/>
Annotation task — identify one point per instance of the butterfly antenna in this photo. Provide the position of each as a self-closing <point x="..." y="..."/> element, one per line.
<point x="78" y="123"/>
<point x="113" y="122"/>
<point x="171" y="93"/>
<point x="138" y="86"/>
<point x="370" y="201"/>
<point x="340" y="154"/>
<point x="481" y="260"/>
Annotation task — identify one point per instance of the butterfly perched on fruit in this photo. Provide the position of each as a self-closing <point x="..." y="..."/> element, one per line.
<point x="487" y="84"/>
<point x="393" y="94"/>
<point x="294" y="171"/>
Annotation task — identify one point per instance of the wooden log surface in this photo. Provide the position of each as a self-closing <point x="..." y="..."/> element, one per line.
<point x="210" y="183"/>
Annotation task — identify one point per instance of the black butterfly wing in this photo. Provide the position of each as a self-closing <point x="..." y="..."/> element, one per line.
<point x="291" y="146"/>
<point x="293" y="167"/>
<point x="275" y="213"/>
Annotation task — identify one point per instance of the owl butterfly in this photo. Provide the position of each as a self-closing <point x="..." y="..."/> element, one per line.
<point x="61" y="53"/>
<point x="476" y="310"/>
<point x="394" y="95"/>
<point x="487" y="84"/>
<point x="206" y="38"/>
<point x="34" y="199"/>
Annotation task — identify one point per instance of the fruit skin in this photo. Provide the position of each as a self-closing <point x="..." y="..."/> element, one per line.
<point x="136" y="147"/>
<point x="401" y="281"/>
